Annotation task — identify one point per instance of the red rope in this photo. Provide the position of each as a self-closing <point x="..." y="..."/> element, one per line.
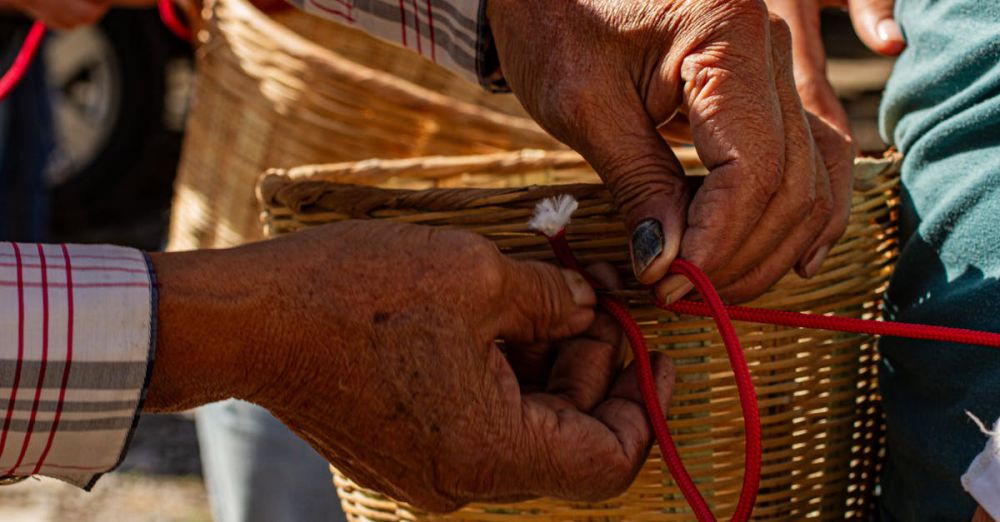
<point x="173" y="22"/>
<point x="842" y="324"/>
<point x="647" y="385"/>
<point x="22" y="62"/>
<point x="723" y="315"/>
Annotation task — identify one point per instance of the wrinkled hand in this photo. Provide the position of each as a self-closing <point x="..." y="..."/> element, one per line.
<point x="873" y="21"/>
<point x="375" y="342"/>
<point x="603" y="75"/>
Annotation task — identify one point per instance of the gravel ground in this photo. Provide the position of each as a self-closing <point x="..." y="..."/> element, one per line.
<point x="160" y="481"/>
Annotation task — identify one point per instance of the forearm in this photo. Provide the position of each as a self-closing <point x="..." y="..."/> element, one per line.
<point x="207" y="318"/>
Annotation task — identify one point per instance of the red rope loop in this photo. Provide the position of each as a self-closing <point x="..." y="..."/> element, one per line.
<point x="723" y="315"/>
<point x="647" y="385"/>
<point x="172" y="20"/>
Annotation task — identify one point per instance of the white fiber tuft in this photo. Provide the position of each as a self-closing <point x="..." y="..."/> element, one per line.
<point x="553" y="214"/>
<point x="982" y="426"/>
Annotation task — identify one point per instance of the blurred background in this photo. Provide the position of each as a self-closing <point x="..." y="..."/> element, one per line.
<point x="120" y="93"/>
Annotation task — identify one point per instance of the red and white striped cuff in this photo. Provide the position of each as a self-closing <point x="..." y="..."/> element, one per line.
<point x="76" y="345"/>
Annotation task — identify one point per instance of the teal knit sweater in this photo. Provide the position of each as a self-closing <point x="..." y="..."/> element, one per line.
<point x="942" y="110"/>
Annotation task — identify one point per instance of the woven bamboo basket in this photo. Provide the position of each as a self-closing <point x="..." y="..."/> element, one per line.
<point x="291" y="88"/>
<point x="817" y="390"/>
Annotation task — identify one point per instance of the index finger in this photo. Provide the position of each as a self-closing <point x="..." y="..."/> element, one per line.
<point x="737" y="127"/>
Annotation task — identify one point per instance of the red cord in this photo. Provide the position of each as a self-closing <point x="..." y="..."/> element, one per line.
<point x="713" y="307"/>
<point x="842" y="324"/>
<point x="22" y="62"/>
<point x="173" y="22"/>
<point x="647" y="385"/>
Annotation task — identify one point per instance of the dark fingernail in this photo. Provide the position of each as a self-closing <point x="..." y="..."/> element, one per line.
<point x="647" y="244"/>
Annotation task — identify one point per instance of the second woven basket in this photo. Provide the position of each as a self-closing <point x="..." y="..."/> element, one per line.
<point x="816" y="389"/>
<point x="288" y="88"/>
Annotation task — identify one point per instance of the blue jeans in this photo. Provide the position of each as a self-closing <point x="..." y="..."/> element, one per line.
<point x="257" y="470"/>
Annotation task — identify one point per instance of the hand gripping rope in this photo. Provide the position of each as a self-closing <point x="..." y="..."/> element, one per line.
<point x="550" y="220"/>
<point x="22" y="62"/>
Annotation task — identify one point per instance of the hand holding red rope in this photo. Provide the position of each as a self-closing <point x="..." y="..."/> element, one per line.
<point x="550" y="219"/>
<point x="748" y="398"/>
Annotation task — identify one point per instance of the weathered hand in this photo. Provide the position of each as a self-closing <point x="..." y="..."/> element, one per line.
<point x="375" y="342"/>
<point x="603" y="75"/>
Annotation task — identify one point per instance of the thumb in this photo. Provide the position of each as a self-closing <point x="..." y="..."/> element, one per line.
<point x="648" y="185"/>
<point x="540" y="302"/>
<point x="875" y="25"/>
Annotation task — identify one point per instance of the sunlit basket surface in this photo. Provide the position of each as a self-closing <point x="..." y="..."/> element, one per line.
<point x="291" y="88"/>
<point x="821" y="425"/>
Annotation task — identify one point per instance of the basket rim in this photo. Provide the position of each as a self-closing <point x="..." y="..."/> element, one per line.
<point x="302" y="186"/>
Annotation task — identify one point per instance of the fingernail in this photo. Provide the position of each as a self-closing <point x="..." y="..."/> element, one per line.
<point x="816" y="261"/>
<point x="647" y="244"/>
<point x="889" y="31"/>
<point x="673" y="288"/>
<point x="583" y="294"/>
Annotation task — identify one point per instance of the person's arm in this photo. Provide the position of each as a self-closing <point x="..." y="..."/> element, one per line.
<point x="873" y="22"/>
<point x="358" y="335"/>
<point x="68" y="14"/>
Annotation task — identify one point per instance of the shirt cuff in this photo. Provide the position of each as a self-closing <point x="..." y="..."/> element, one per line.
<point x="452" y="33"/>
<point x="77" y="334"/>
<point x="982" y="479"/>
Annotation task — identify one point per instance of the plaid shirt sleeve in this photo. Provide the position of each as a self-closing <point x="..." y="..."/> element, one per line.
<point x="76" y="347"/>
<point x="452" y="33"/>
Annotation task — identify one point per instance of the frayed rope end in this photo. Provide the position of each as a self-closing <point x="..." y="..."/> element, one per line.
<point x="553" y="214"/>
<point x="982" y="426"/>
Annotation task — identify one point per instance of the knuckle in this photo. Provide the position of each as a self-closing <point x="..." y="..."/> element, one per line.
<point x="635" y="178"/>
<point x="752" y="10"/>
<point x="764" y="185"/>
<point x="622" y="477"/>
<point x="781" y="33"/>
